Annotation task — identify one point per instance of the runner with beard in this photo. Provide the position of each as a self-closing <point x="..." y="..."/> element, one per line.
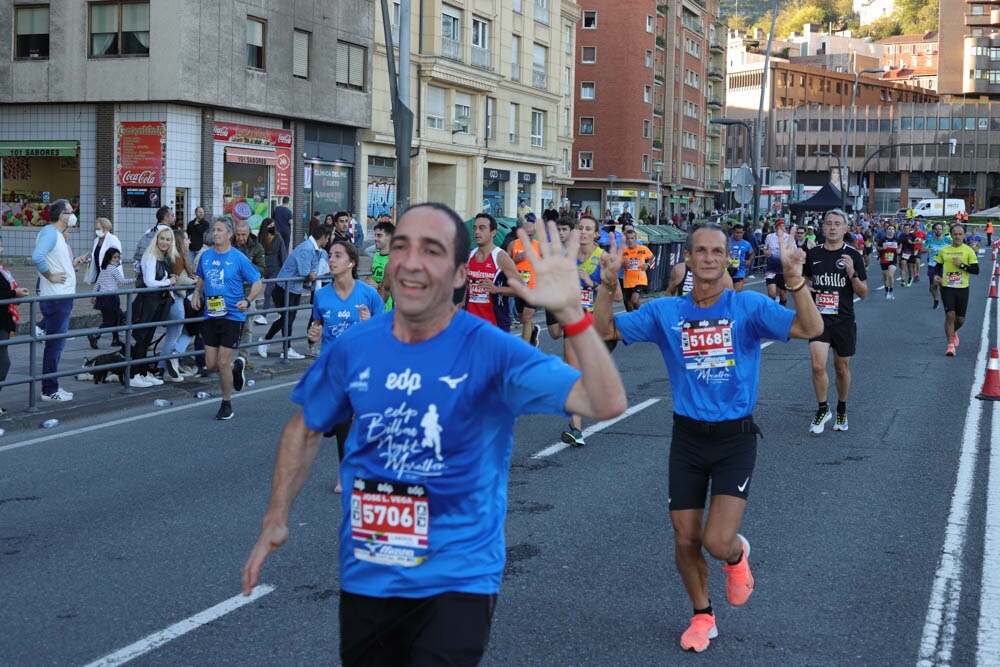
<point x="937" y="240"/>
<point x="836" y="272"/>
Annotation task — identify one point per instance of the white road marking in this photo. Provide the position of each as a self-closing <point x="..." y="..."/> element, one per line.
<point x="988" y="652"/>
<point x="599" y="426"/>
<point x="58" y="434"/>
<point x="157" y="639"/>
<point x="938" y="638"/>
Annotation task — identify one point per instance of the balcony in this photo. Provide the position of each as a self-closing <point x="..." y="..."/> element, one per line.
<point x="657" y="144"/>
<point x="714" y="185"/>
<point x="713" y="157"/>
<point x="658" y="109"/>
<point x="713" y="102"/>
<point x="716" y="46"/>
<point x="481" y="57"/>
<point x="451" y="48"/>
<point x="979" y="20"/>
<point x="713" y="131"/>
<point x="715" y="74"/>
<point x="539" y="79"/>
<point x="692" y="24"/>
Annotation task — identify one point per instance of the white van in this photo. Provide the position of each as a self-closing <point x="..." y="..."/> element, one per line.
<point x="932" y="207"/>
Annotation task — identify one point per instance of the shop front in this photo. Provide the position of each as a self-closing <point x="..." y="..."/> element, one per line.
<point x="142" y="163"/>
<point x="256" y="170"/>
<point x="328" y="176"/>
<point x="526" y="189"/>
<point x="33" y="174"/>
<point x="494" y="191"/>
<point x="621" y="201"/>
<point x="581" y="199"/>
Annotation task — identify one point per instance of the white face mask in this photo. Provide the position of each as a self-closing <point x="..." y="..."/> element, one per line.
<point x="72" y="220"/>
<point x="99" y="233"/>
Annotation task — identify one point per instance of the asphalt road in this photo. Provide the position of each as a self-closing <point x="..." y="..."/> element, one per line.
<point x="113" y="532"/>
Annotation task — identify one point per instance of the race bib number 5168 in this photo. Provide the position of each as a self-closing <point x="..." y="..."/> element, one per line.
<point x="707" y="344"/>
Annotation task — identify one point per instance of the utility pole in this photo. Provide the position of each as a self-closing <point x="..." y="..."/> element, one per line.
<point x="399" y="90"/>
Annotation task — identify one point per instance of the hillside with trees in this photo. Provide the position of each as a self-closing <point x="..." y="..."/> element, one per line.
<point x="909" y="17"/>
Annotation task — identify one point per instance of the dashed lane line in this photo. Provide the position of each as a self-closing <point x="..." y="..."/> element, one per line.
<point x="599" y="426"/>
<point x="157" y="639"/>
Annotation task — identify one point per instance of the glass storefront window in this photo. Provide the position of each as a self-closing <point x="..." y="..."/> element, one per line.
<point x="328" y="188"/>
<point x="30" y="184"/>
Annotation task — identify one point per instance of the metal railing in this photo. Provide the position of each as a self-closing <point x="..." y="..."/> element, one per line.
<point x="539" y="78"/>
<point x="481" y="57"/>
<point x="36" y="342"/>
<point x="451" y="48"/>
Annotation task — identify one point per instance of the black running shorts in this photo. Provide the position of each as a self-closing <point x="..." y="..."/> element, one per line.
<point x="521" y="304"/>
<point x="220" y="332"/>
<point x="778" y="279"/>
<point x="445" y="629"/>
<point x="842" y="337"/>
<point x="723" y="453"/>
<point x="955" y="299"/>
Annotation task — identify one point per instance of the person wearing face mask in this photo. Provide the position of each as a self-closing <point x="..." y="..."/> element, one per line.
<point x="57" y="276"/>
<point x="104" y="241"/>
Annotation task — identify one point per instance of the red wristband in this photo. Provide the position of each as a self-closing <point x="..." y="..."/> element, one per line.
<point x="581" y="325"/>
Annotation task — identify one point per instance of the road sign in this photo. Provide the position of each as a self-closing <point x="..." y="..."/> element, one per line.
<point x="743" y="176"/>
<point x="743" y="193"/>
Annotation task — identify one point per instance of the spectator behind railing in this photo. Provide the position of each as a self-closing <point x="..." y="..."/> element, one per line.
<point x="150" y="307"/>
<point x="57" y="271"/>
<point x="8" y="317"/>
<point x="110" y="306"/>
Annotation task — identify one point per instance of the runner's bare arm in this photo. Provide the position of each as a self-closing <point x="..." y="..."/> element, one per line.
<point x="505" y="264"/>
<point x="604" y="320"/>
<point x="808" y="323"/>
<point x="296" y="453"/>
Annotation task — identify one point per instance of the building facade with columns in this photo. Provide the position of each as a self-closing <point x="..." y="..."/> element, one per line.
<point x="491" y="93"/>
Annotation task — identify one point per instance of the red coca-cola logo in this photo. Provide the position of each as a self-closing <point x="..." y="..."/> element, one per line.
<point x="221" y="131"/>
<point x="146" y="177"/>
<point x="285" y="138"/>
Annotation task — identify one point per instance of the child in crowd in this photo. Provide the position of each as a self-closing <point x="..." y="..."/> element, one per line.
<point x="111" y="278"/>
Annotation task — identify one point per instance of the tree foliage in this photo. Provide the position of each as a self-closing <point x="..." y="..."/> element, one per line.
<point x="908" y="17"/>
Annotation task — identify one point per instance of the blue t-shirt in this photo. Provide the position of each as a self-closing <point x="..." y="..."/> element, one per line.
<point x="427" y="460"/>
<point x="932" y="244"/>
<point x="224" y="277"/>
<point x="339" y="314"/>
<point x="738" y="252"/>
<point x="712" y="354"/>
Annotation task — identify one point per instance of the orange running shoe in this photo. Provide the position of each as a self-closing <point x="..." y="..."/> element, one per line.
<point x="696" y="637"/>
<point x="950" y="352"/>
<point x="954" y="339"/>
<point x="739" y="581"/>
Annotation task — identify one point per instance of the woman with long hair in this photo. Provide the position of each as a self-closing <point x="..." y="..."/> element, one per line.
<point x="339" y="306"/>
<point x="176" y="339"/>
<point x="275" y="254"/>
<point x="150" y="307"/>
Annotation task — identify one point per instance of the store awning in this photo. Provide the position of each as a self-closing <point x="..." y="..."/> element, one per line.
<point x="39" y="148"/>
<point x="251" y="156"/>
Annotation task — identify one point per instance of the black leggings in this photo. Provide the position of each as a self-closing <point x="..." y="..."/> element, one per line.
<point x="5" y="355"/>
<point x="340" y="431"/>
<point x="281" y="299"/>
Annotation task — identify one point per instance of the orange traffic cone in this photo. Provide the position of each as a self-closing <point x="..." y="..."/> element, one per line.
<point x="993" y="288"/>
<point x="991" y="385"/>
<point x="996" y="269"/>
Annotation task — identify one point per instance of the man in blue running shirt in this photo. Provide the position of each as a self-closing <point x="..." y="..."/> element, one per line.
<point x="425" y="475"/>
<point x="710" y="341"/>
<point x="740" y="257"/>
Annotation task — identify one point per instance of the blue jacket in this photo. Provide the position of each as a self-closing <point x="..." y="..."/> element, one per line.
<point x="302" y="261"/>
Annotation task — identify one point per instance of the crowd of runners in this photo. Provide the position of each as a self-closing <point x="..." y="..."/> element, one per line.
<point x="424" y="477"/>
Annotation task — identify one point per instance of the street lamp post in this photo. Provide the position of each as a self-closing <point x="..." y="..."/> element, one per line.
<point x="753" y="162"/>
<point x="658" y="170"/>
<point x="843" y="206"/>
<point x="849" y="130"/>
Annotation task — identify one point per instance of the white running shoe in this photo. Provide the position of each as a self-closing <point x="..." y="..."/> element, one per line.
<point x="292" y="354"/>
<point x="819" y="422"/>
<point x="260" y="319"/>
<point x="153" y="379"/>
<point x="140" y="381"/>
<point x="58" y="395"/>
<point x="262" y="347"/>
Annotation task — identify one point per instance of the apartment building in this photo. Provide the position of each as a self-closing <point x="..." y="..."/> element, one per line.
<point x="492" y="96"/>
<point x="649" y="80"/>
<point x="126" y="105"/>
<point x="969" y="63"/>
<point x="911" y="59"/>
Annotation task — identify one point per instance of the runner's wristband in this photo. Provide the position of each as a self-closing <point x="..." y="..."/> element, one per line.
<point x="578" y="327"/>
<point x="797" y="287"/>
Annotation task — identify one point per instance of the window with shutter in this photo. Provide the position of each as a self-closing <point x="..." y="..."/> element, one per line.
<point x="435" y="107"/>
<point x="32" y="32"/>
<point x="350" y="66"/>
<point x="300" y="54"/>
<point x="255" y="43"/>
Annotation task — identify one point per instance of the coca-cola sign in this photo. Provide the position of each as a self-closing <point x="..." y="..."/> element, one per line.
<point x="146" y="177"/>
<point x="142" y="153"/>
<point x="251" y="135"/>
